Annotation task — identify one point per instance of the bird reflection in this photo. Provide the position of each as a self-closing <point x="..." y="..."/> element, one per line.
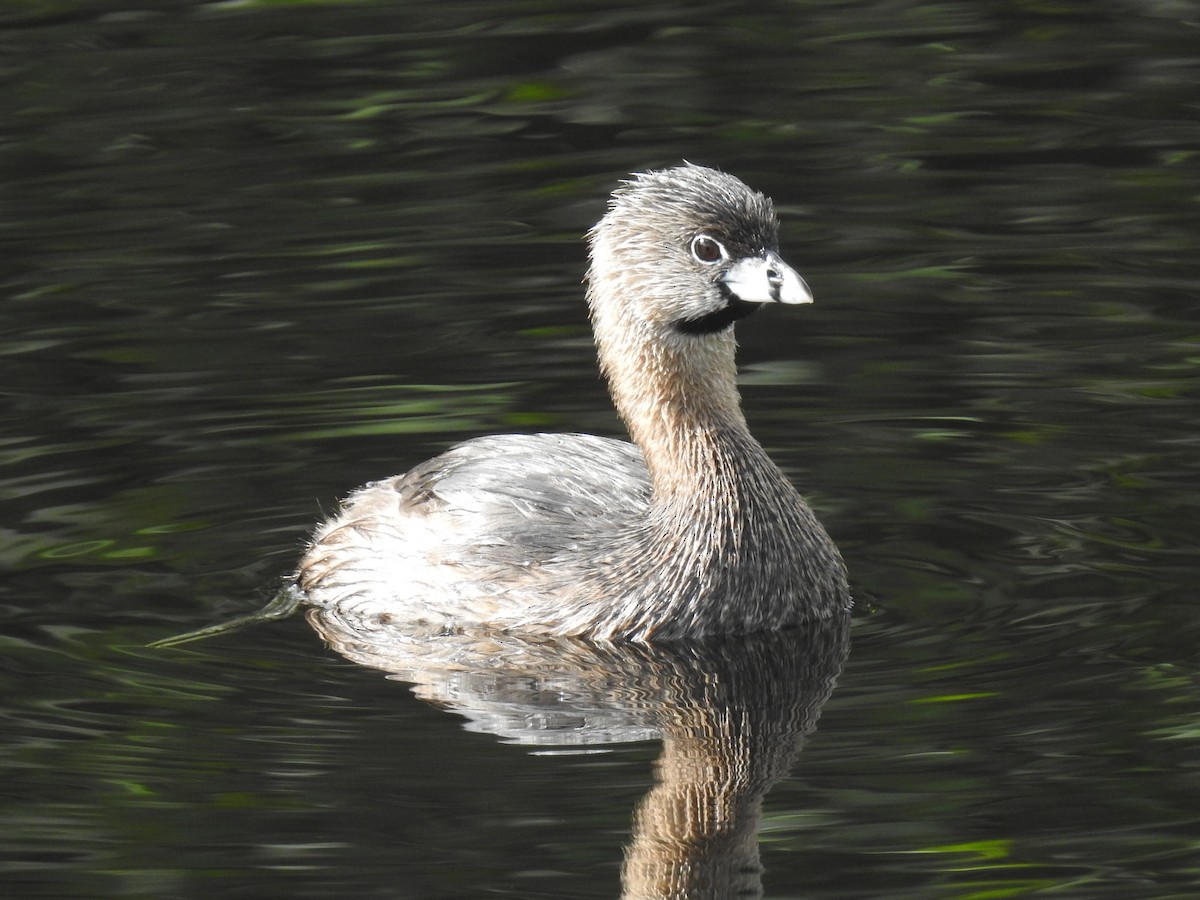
<point x="731" y="713"/>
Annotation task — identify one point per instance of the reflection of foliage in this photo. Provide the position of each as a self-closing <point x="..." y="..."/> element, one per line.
<point x="237" y="234"/>
<point x="413" y="409"/>
<point x="159" y="513"/>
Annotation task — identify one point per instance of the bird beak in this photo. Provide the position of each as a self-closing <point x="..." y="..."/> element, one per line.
<point x="766" y="279"/>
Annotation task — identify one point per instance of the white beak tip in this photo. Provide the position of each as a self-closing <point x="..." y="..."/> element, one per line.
<point x="767" y="279"/>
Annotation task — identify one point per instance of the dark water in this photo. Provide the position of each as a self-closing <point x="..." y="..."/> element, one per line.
<point x="254" y="254"/>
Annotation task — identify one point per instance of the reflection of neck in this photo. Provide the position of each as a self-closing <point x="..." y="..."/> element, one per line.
<point x="695" y="832"/>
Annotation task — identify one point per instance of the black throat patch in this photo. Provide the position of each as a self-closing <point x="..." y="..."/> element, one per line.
<point x="718" y="320"/>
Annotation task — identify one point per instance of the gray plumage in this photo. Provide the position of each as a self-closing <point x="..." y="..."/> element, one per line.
<point x="690" y="530"/>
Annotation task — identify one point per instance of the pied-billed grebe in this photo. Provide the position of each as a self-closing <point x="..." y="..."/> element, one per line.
<point x="689" y="530"/>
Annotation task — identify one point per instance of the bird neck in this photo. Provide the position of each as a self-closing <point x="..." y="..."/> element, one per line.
<point x="677" y="393"/>
<point x="680" y="402"/>
<point x="726" y="540"/>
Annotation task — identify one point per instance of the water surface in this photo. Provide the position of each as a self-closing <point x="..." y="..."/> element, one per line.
<point x="255" y="254"/>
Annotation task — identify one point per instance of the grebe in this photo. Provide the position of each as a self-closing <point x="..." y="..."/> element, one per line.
<point x="689" y="530"/>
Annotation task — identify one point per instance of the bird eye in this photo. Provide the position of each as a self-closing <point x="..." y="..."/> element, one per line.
<point x="706" y="249"/>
